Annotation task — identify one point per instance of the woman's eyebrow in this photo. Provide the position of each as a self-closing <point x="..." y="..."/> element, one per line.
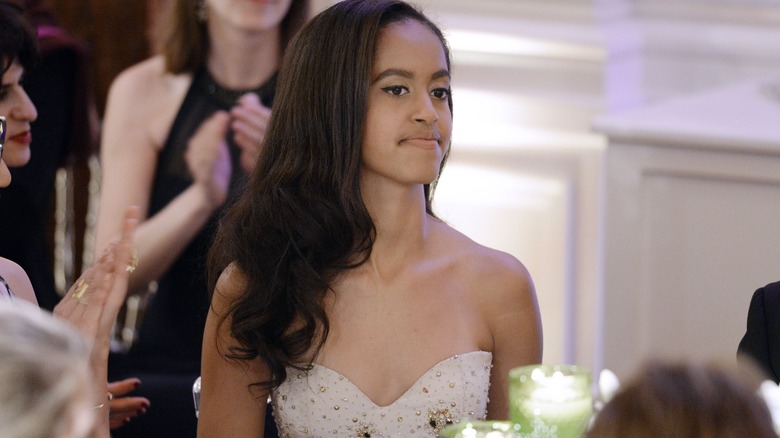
<point x="443" y="73"/>
<point x="394" y="72"/>
<point x="409" y="75"/>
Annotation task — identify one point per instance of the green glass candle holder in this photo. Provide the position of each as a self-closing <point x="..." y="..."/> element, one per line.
<point x="481" y="429"/>
<point x="550" y="400"/>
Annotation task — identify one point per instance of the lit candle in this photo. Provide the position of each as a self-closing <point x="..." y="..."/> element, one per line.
<point x="481" y="429"/>
<point x="550" y="400"/>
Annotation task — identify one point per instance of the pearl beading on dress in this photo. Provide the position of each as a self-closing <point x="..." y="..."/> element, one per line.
<point x="322" y="402"/>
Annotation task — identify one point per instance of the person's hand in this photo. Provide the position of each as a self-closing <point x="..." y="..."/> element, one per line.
<point x="93" y="302"/>
<point x="249" y="122"/>
<point x="208" y="158"/>
<point x="123" y="409"/>
<point x="92" y="305"/>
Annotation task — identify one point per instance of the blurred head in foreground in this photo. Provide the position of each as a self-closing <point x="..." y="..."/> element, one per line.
<point x="45" y="383"/>
<point x="685" y="401"/>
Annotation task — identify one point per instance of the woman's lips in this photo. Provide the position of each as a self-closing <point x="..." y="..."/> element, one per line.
<point x="423" y="142"/>
<point x="23" y="138"/>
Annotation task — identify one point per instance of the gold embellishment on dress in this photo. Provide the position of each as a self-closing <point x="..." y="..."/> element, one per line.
<point x="439" y="418"/>
<point x="364" y="430"/>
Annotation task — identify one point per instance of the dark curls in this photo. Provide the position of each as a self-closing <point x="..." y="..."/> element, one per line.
<point x="301" y="220"/>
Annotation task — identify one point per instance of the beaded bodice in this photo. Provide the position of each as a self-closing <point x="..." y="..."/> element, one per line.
<point x="322" y="402"/>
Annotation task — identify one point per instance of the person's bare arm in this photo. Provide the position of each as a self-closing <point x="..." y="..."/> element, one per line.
<point x="129" y="154"/>
<point x="512" y="313"/>
<point x="227" y="407"/>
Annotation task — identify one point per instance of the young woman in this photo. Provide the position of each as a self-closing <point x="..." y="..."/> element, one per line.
<point x="339" y="292"/>
<point x="181" y="131"/>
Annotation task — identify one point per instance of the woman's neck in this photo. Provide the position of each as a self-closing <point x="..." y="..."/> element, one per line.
<point x="241" y="60"/>
<point x="402" y="226"/>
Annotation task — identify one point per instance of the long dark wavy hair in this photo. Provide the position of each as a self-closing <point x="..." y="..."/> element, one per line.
<point x="301" y="220"/>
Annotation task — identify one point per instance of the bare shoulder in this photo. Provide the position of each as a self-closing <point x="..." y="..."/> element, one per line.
<point x="230" y="286"/>
<point x="140" y="78"/>
<point x="495" y="274"/>
<point x="503" y="291"/>
<point x="17" y="280"/>
<point x="148" y="83"/>
<point x="142" y="103"/>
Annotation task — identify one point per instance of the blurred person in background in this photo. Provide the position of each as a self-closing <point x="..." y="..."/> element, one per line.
<point x="181" y="132"/>
<point x="761" y="343"/>
<point x="65" y="135"/>
<point x="18" y="53"/>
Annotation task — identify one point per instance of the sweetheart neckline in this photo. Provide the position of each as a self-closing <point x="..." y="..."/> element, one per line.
<point x="404" y="394"/>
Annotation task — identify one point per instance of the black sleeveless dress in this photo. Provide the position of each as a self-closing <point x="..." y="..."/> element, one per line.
<point x="166" y="355"/>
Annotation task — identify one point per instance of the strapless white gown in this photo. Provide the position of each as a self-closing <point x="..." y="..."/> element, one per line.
<point x="323" y="403"/>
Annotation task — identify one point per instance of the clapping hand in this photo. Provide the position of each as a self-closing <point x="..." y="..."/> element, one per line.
<point x="208" y="158"/>
<point x="249" y="123"/>
<point x="94" y="300"/>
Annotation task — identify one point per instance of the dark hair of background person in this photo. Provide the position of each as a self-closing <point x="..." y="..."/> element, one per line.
<point x="17" y="37"/>
<point x="185" y="42"/>
<point x="685" y="401"/>
<point x="65" y="61"/>
<point x="302" y="221"/>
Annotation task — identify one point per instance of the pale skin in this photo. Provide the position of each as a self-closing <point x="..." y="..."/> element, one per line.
<point x="142" y="104"/>
<point x="20" y="113"/>
<point x="427" y="291"/>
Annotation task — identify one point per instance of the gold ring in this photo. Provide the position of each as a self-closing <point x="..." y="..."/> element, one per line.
<point x="81" y="288"/>
<point x="133" y="261"/>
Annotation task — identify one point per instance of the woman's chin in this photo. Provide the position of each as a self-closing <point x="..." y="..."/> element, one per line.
<point x="16" y="156"/>
<point x="5" y="175"/>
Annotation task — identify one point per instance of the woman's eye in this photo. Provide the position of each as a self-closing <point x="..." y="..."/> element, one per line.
<point x="441" y="93"/>
<point x="395" y="90"/>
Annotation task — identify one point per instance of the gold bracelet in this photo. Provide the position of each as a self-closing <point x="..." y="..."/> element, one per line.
<point x="109" y="397"/>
